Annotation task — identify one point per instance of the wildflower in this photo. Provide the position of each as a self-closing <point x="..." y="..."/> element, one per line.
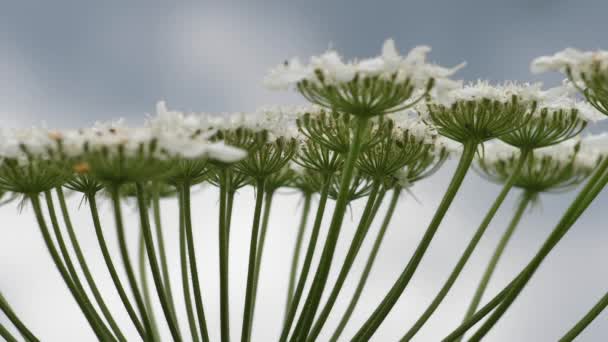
<point x="365" y="88"/>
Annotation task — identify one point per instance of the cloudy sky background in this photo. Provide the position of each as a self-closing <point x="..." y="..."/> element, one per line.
<point x="70" y="63"/>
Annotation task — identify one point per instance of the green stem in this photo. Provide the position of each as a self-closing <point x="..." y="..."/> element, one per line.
<point x="6" y="334"/>
<point x="318" y="284"/>
<point x="368" y="266"/>
<point x="161" y="252"/>
<point x="143" y="275"/>
<point x="224" y="260"/>
<point x="504" y="240"/>
<point x="126" y="260"/>
<point x="70" y="266"/>
<point x="260" y="253"/>
<point x="61" y="268"/>
<point x="249" y="296"/>
<point x="580" y="204"/>
<point x="480" y="314"/>
<point x="183" y="253"/>
<point x="295" y="259"/>
<point x="586" y="320"/>
<point x="85" y="267"/>
<point x="152" y="260"/>
<point x="374" y="321"/>
<point x="111" y="268"/>
<point x="12" y="316"/>
<point x="310" y="250"/>
<point x="464" y="258"/>
<point x="196" y="287"/>
<point x="371" y="208"/>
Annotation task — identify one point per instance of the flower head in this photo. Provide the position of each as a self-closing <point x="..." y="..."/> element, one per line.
<point x="588" y="71"/>
<point x="559" y="116"/>
<point x="555" y="168"/>
<point x="367" y="87"/>
<point x="480" y="111"/>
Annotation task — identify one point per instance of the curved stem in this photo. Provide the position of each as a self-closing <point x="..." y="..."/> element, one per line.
<point x="248" y="309"/>
<point x="161" y="252"/>
<point x="6" y="334"/>
<point x="143" y="275"/>
<point x="371" y="208"/>
<point x="586" y="320"/>
<point x="196" y="287"/>
<point x="504" y="240"/>
<point x="111" y="268"/>
<point x="310" y="250"/>
<point x="580" y="204"/>
<point x="12" y="316"/>
<point x="469" y="250"/>
<point x="61" y="268"/>
<point x="126" y="260"/>
<point x="70" y="266"/>
<point x="85" y="267"/>
<point x="318" y="284"/>
<point x="152" y="260"/>
<point x="368" y="266"/>
<point x="374" y="321"/>
<point x="224" y="261"/>
<point x="295" y="259"/>
<point x="260" y="250"/>
<point x="183" y="255"/>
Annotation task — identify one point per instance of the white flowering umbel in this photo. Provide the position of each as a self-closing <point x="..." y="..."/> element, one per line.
<point x="552" y="169"/>
<point x="559" y="116"/>
<point x="32" y="161"/>
<point x="367" y="87"/>
<point x="588" y="71"/>
<point x="480" y="111"/>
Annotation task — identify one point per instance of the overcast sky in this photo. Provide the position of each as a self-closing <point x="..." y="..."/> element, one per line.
<point x="70" y="63"/>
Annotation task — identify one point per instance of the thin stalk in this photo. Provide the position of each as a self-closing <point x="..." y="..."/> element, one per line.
<point x="260" y="250"/>
<point x="85" y="267"/>
<point x="111" y="268"/>
<point x="183" y="255"/>
<point x="152" y="260"/>
<point x="224" y="260"/>
<point x="318" y="284"/>
<point x="480" y="314"/>
<point x="371" y="208"/>
<point x="368" y="266"/>
<point x="161" y="252"/>
<point x="374" y="321"/>
<point x="143" y="275"/>
<point x="310" y="250"/>
<point x="469" y="250"/>
<point x="126" y="260"/>
<point x="62" y="270"/>
<point x="504" y="240"/>
<point x="580" y="204"/>
<point x="70" y="265"/>
<point x="196" y="287"/>
<point x="295" y="259"/>
<point x="12" y="316"/>
<point x="6" y="334"/>
<point x="248" y="308"/>
<point x="586" y="320"/>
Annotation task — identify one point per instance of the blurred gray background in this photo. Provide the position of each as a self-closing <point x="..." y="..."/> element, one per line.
<point x="70" y="63"/>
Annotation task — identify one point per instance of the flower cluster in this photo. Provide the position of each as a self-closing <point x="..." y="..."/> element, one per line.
<point x="374" y="126"/>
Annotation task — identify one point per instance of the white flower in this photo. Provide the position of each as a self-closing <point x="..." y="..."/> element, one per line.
<point x="335" y="71"/>
<point x="578" y="61"/>
<point x="525" y="92"/>
<point x="566" y="153"/>
<point x="564" y="98"/>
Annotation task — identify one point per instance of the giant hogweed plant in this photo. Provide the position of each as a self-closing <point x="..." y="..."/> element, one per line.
<point x="375" y="127"/>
